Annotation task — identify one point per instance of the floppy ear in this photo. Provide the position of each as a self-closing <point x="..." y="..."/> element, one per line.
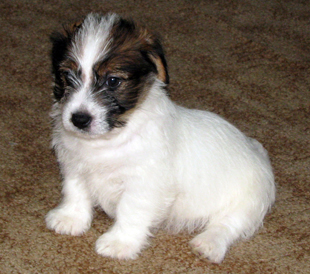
<point x="157" y="56"/>
<point x="61" y="41"/>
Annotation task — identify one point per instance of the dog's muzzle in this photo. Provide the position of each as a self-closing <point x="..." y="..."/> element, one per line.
<point x="81" y="120"/>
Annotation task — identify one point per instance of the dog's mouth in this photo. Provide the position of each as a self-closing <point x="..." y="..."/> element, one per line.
<point x="87" y="125"/>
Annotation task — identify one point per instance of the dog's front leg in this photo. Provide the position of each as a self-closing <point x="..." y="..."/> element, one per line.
<point x="137" y="209"/>
<point x="74" y="214"/>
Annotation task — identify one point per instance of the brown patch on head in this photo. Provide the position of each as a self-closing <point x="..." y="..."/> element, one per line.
<point x="132" y="41"/>
<point x="69" y="65"/>
<point x="70" y="29"/>
<point x="135" y="57"/>
<point x="70" y="75"/>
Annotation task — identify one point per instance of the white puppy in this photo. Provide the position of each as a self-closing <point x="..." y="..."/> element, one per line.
<point x="124" y="146"/>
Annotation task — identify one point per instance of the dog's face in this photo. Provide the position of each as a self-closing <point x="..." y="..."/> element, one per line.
<point x="103" y="67"/>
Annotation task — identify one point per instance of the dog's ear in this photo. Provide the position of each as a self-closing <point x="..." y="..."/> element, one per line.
<point x="129" y="34"/>
<point x="156" y="56"/>
<point x="60" y="44"/>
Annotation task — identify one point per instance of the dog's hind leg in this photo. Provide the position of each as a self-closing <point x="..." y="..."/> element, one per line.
<point x="219" y="234"/>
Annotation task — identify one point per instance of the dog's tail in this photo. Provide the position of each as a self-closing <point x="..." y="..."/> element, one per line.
<point x="259" y="148"/>
<point x="266" y="169"/>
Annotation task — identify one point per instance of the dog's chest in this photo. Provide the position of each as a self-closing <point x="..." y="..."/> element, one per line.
<point x="105" y="191"/>
<point x="104" y="173"/>
<point x="103" y="163"/>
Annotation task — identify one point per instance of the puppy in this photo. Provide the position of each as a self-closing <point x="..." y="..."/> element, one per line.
<point x="124" y="146"/>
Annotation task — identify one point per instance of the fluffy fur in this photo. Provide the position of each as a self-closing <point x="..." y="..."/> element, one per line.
<point x="123" y="145"/>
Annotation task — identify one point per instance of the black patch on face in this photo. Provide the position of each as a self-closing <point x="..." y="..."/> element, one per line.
<point x="128" y="58"/>
<point x="135" y="76"/>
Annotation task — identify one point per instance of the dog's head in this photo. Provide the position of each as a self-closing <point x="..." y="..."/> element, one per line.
<point x="103" y="67"/>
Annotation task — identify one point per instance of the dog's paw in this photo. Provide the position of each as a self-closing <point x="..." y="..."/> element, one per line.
<point x="110" y="245"/>
<point x="67" y="222"/>
<point x="209" y="248"/>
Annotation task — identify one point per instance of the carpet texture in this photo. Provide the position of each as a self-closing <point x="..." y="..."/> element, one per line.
<point x="248" y="61"/>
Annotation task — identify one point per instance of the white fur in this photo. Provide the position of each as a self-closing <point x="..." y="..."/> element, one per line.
<point x="169" y="166"/>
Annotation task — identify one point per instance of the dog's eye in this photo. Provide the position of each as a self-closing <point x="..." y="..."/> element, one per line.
<point x="113" y="82"/>
<point x="68" y="78"/>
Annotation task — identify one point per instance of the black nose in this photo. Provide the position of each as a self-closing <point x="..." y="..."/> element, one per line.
<point x="81" y="120"/>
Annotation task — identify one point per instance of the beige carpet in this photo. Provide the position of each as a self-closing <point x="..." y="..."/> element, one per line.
<point x="246" y="60"/>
